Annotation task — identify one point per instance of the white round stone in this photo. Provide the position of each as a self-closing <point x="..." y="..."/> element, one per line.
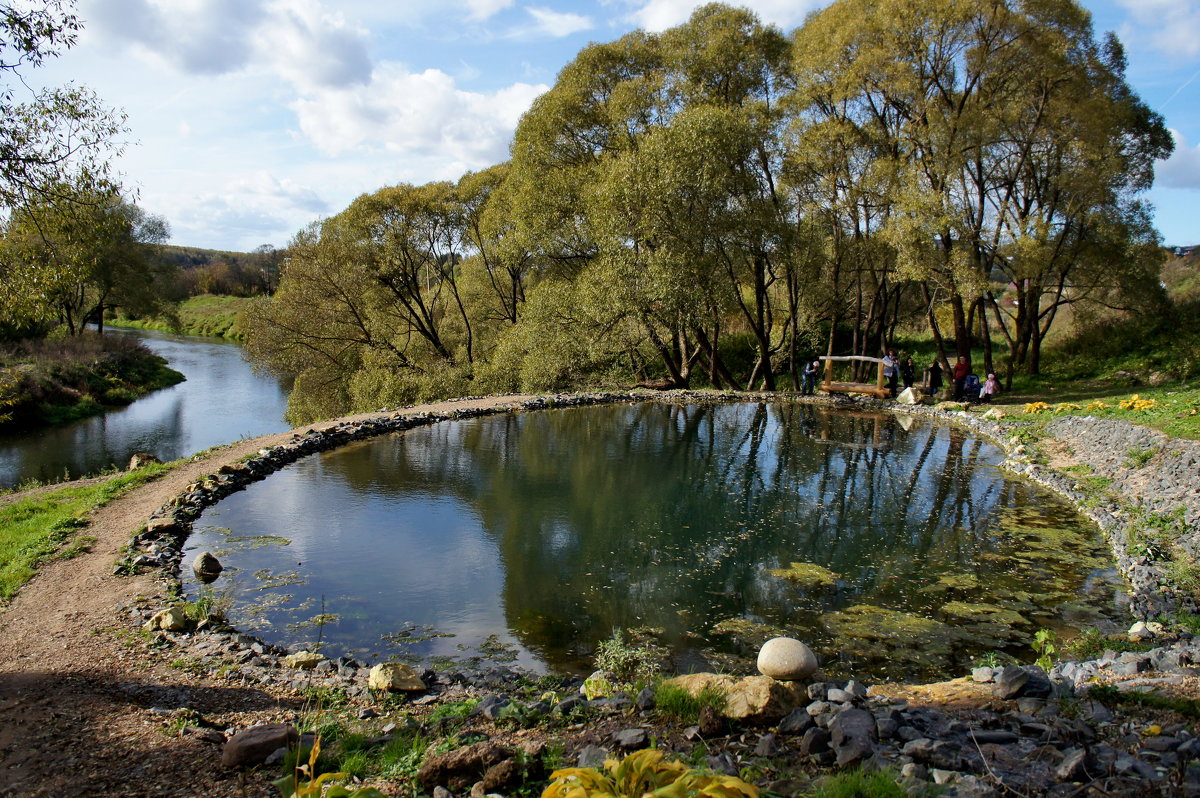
<point x="786" y="659"/>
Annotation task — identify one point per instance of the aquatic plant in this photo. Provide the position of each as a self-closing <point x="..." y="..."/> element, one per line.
<point x="806" y="574"/>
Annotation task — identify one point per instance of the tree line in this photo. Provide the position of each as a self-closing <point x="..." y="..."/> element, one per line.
<point x="715" y="203"/>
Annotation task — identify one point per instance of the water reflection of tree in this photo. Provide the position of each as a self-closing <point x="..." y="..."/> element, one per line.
<point x="670" y="515"/>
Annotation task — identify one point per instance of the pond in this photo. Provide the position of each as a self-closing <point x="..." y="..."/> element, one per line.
<point x="893" y="545"/>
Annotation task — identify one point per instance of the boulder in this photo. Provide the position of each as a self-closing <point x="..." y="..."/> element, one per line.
<point x="462" y="767"/>
<point x="395" y="676"/>
<point x="852" y="733"/>
<point x="946" y="407"/>
<point x="252" y="746"/>
<point x="786" y="659"/>
<point x="207" y="567"/>
<point x="163" y="527"/>
<point x="910" y="396"/>
<point x="140" y="459"/>
<point x="1140" y="631"/>
<point x="302" y="660"/>
<point x="754" y="699"/>
<point x="171" y="619"/>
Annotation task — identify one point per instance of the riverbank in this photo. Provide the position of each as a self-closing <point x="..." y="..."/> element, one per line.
<point x="91" y="692"/>
<point x="61" y="380"/>
<point x="207" y="315"/>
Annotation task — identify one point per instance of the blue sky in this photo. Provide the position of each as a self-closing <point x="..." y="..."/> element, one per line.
<point x="251" y="118"/>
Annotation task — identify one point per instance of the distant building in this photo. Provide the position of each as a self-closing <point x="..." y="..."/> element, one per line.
<point x="1182" y="251"/>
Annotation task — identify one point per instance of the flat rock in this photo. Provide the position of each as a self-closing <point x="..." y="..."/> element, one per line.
<point x="302" y="660"/>
<point x="630" y="738"/>
<point x="462" y="767"/>
<point x="252" y="746"/>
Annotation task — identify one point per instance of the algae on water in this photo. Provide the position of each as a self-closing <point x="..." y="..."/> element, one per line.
<point x="806" y="574"/>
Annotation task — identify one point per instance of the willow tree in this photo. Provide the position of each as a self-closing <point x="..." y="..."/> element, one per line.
<point x="1006" y="127"/>
<point x="650" y="168"/>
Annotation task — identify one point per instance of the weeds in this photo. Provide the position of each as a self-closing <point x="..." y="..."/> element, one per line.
<point x="676" y="703"/>
<point x="1092" y="643"/>
<point x="860" y="784"/>
<point x="1137" y="458"/>
<point x="1044" y="647"/>
<point x="627" y="663"/>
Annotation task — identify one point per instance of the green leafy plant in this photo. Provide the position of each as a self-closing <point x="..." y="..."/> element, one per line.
<point x="626" y="662"/>
<point x="989" y="660"/>
<point x="1136" y="458"/>
<point x="1044" y="647"/>
<point x="303" y="781"/>
<point x="645" y="773"/>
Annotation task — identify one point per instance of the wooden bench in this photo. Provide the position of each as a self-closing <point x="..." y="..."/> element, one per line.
<point x="878" y="390"/>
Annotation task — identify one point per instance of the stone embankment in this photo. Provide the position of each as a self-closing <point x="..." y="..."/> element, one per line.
<point x="1024" y="731"/>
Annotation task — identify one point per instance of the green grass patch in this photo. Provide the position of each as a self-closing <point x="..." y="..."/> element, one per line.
<point x="677" y="704"/>
<point x="33" y="530"/>
<point x="208" y="315"/>
<point x="1092" y="643"/>
<point x="1111" y="696"/>
<point x="859" y="784"/>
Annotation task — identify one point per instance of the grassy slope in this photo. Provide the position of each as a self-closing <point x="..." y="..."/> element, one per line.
<point x="217" y="316"/>
<point x="33" y="530"/>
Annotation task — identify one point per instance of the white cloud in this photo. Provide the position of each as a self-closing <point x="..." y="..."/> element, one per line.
<point x="294" y="38"/>
<point x="1172" y="26"/>
<point x="485" y="9"/>
<point x="421" y="113"/>
<point x="657" y="15"/>
<point x="1182" y="169"/>
<point x="558" y="24"/>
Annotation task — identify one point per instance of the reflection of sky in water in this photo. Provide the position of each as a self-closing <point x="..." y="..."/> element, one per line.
<point x="551" y="529"/>
<point x="222" y="400"/>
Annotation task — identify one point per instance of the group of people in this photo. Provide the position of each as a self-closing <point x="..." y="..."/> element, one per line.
<point x="967" y="387"/>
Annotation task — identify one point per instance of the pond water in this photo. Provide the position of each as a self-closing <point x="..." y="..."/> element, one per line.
<point x="222" y="400"/>
<point x="891" y="544"/>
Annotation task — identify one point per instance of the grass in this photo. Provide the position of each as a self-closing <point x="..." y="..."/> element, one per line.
<point x="1109" y="695"/>
<point x="208" y="315"/>
<point x="1092" y="643"/>
<point x="859" y="784"/>
<point x="34" y="530"/>
<point x="676" y="703"/>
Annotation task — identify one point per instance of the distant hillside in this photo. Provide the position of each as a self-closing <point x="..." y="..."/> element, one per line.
<point x="194" y="257"/>
<point x="1181" y="273"/>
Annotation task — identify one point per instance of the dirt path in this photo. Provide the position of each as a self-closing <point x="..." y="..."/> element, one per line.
<point x="76" y="696"/>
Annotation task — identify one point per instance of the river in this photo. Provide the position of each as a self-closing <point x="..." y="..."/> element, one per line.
<point x="222" y="400"/>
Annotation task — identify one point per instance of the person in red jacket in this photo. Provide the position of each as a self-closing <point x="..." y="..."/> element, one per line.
<point x="961" y="369"/>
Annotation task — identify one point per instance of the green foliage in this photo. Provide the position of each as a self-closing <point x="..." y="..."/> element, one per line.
<point x="214" y="316"/>
<point x="304" y="782"/>
<point x="645" y="773"/>
<point x="1091" y="643"/>
<point x="627" y="663"/>
<point x="1045" y="648"/>
<point x="1110" y="695"/>
<point x="59" y="380"/>
<point x="680" y="706"/>
<point x="859" y="784"/>
<point x="33" y="529"/>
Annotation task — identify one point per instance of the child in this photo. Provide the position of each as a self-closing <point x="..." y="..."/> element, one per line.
<point x="990" y="388"/>
<point x="971" y="388"/>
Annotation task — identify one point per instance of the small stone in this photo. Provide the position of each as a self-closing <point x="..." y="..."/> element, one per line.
<point x="982" y="675"/>
<point x="441" y="792"/>
<point x="711" y="724"/>
<point x="1010" y="682"/>
<point x="645" y="699"/>
<point x="367" y="713"/>
<point x="786" y="659"/>
<point x="815" y="741"/>
<point x="252" y="746"/>
<point x="1073" y="767"/>
<point x="1139" y="632"/>
<point x="171" y="619"/>
<point x="394" y="676"/>
<point x="840" y="696"/>
<point x="944" y="776"/>
<point x="994" y="737"/>
<point x="302" y="660"/>
<point x="915" y="772"/>
<point x="767" y="746"/>
<point x="592" y="756"/>
<point x="630" y="738"/>
<point x="206" y="567"/>
<point x="797" y="721"/>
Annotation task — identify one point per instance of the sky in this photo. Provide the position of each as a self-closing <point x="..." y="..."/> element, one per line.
<point x="249" y="119"/>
